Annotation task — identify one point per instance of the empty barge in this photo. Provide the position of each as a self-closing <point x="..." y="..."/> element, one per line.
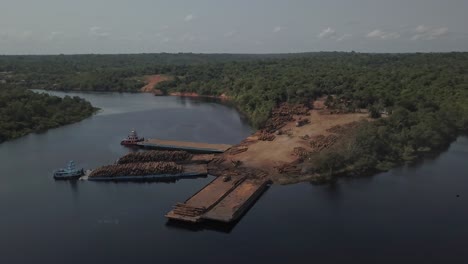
<point x="221" y="200"/>
<point x="184" y="145"/>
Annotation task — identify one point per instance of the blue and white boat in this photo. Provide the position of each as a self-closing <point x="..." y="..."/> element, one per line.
<point x="70" y="172"/>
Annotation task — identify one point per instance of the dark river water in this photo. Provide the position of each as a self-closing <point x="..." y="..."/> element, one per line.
<point x="407" y="215"/>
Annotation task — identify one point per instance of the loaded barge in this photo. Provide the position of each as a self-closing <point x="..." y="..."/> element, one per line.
<point x="147" y="171"/>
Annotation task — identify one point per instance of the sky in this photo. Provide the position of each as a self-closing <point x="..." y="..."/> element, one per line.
<point x="236" y="26"/>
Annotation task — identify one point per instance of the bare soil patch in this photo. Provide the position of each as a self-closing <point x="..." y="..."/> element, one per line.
<point x="279" y="157"/>
<point x="152" y="80"/>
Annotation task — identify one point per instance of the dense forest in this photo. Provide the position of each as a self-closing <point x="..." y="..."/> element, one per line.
<point x="425" y="94"/>
<point x="23" y="111"/>
<point x="105" y="72"/>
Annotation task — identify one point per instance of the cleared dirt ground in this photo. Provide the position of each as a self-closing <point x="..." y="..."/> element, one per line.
<point x="152" y="80"/>
<point x="269" y="155"/>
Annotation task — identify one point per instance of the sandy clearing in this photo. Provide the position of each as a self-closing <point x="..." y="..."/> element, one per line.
<point x="152" y="80"/>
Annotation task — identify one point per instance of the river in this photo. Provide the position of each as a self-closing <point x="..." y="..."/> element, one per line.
<point x="406" y="215"/>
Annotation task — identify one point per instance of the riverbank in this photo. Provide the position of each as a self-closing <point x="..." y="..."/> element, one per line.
<point x="23" y="112"/>
<point x="281" y="150"/>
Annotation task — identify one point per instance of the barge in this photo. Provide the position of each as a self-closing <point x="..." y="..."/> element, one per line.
<point x="195" y="147"/>
<point x="189" y="171"/>
<point x="222" y="200"/>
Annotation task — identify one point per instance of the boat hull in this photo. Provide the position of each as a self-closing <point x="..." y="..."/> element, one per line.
<point x="130" y="143"/>
<point x="74" y="177"/>
<point x="150" y="177"/>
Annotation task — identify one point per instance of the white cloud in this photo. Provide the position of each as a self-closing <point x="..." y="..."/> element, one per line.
<point x="344" y="37"/>
<point x="230" y="33"/>
<point x="98" y="32"/>
<point x="258" y="42"/>
<point x="327" y="33"/>
<point x="379" y="34"/>
<point x="421" y="29"/>
<point x="187" y="38"/>
<point x="3" y="36"/>
<point x="189" y="18"/>
<point x="277" y="29"/>
<point x="429" y="33"/>
<point x="55" y="35"/>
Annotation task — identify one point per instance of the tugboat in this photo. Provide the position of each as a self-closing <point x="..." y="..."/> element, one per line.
<point x="70" y="172"/>
<point x="132" y="139"/>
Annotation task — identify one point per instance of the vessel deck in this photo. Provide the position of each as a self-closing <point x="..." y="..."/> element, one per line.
<point x="184" y="145"/>
<point x="220" y="200"/>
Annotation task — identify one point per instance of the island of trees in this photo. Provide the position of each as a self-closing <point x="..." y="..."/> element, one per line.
<point x="424" y="96"/>
<point x="23" y="111"/>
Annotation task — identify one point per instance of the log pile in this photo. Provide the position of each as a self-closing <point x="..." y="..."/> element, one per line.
<point x="301" y="152"/>
<point x="277" y="122"/>
<point x="286" y="109"/>
<point x="187" y="210"/>
<point x="137" y="169"/>
<point x="155" y="155"/>
<point x="217" y="160"/>
<point x="283" y="114"/>
<point x="266" y="136"/>
<point x="237" y="150"/>
<point x="288" y="169"/>
<point x="322" y="142"/>
<point x="341" y="129"/>
<point x="302" y="122"/>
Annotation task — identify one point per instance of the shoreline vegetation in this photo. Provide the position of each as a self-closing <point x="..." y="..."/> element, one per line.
<point x="23" y="112"/>
<point x="409" y="105"/>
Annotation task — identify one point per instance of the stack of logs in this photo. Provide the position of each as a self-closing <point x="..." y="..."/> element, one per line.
<point x="301" y="152"/>
<point x="286" y="109"/>
<point x="137" y="169"/>
<point x="266" y="136"/>
<point x="283" y="114"/>
<point x="155" y="155"/>
<point x="187" y="210"/>
<point x="288" y="169"/>
<point x="342" y="129"/>
<point x="237" y="150"/>
<point x="277" y="122"/>
<point x="322" y="142"/>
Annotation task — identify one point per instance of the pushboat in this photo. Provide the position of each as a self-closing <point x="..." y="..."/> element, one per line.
<point x="70" y="172"/>
<point x="132" y="139"/>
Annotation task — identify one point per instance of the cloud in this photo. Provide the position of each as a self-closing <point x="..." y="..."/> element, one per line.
<point x="379" y="34"/>
<point x="189" y="18"/>
<point x="98" y="32"/>
<point x="3" y="36"/>
<point x="230" y="33"/>
<point x="429" y="33"/>
<point x="421" y="29"/>
<point x="187" y="38"/>
<point x="258" y="42"/>
<point x="344" y="37"/>
<point x="55" y="35"/>
<point x="277" y="29"/>
<point x="327" y="33"/>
